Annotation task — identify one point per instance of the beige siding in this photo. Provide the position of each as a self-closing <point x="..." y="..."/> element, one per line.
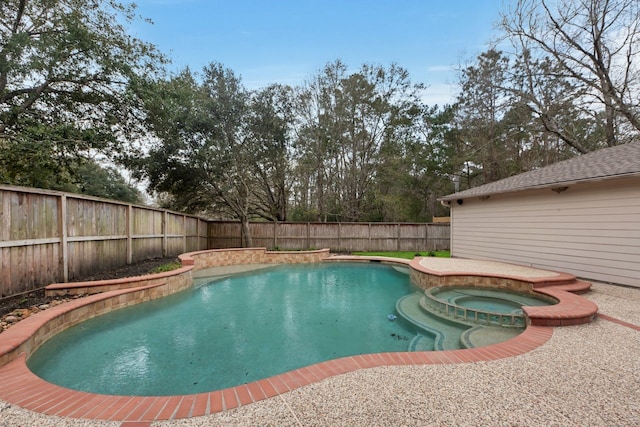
<point x="590" y="230"/>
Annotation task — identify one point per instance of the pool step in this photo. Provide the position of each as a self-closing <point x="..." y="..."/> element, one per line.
<point x="576" y="286"/>
<point x="446" y="333"/>
<point x="571" y="310"/>
<point x="481" y="336"/>
<point x="421" y="343"/>
<point x="448" y="308"/>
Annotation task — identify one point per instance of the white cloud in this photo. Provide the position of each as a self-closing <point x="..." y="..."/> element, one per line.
<point x="440" y="68"/>
<point x="440" y="93"/>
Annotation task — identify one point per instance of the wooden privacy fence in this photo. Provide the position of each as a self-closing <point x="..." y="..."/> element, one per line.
<point x="48" y="236"/>
<point x="339" y="237"/>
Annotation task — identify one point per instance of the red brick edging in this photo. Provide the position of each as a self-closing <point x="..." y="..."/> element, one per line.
<point x="619" y="322"/>
<point x="19" y="386"/>
<point x="22" y="388"/>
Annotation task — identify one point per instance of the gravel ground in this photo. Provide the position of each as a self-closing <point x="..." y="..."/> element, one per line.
<point x="584" y="375"/>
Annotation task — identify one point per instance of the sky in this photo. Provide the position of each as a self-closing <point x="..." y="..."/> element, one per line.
<point x="290" y="41"/>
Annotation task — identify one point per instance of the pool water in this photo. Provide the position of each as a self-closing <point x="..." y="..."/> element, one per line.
<point x="231" y="331"/>
<point x="491" y="300"/>
<point x="496" y="305"/>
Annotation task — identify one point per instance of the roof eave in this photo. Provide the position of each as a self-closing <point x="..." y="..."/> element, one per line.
<point x="461" y="195"/>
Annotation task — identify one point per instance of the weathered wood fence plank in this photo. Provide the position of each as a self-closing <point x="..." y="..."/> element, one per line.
<point x="49" y="236"/>
<point x="339" y="237"/>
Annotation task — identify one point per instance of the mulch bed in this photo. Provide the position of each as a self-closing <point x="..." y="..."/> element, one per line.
<point x="22" y="306"/>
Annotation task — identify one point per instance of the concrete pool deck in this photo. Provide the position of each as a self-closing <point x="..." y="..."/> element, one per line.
<point x="581" y="375"/>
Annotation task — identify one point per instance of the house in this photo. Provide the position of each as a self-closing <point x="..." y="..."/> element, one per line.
<point x="580" y="216"/>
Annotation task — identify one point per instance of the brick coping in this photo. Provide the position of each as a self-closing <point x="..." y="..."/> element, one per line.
<point x="23" y="388"/>
<point x="190" y="261"/>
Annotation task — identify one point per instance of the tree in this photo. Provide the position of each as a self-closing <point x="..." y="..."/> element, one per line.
<point x="481" y="107"/>
<point x="594" y="44"/>
<point x="416" y="166"/>
<point x="344" y="120"/>
<point x="105" y="182"/>
<point x="219" y="150"/>
<point x="556" y="106"/>
<point x="67" y="69"/>
<point x="195" y="158"/>
<point x="269" y="123"/>
<point x="518" y="113"/>
<point x="317" y="134"/>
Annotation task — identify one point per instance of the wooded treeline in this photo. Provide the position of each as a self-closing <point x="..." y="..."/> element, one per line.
<point x="347" y="146"/>
<point x="350" y="144"/>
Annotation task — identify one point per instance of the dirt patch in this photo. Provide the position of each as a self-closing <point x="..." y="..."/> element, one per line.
<point x="13" y="309"/>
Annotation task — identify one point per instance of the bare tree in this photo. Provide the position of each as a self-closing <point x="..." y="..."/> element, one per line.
<point x="595" y="45"/>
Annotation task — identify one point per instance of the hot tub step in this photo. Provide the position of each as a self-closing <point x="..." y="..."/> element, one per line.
<point x="446" y="333"/>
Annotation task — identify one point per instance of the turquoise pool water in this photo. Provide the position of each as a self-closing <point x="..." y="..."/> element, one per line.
<point x="496" y="305"/>
<point x="232" y="331"/>
<point x="484" y="299"/>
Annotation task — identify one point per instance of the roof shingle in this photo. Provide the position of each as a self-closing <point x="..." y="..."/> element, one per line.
<point x="607" y="163"/>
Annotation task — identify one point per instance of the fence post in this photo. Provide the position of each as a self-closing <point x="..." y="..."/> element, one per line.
<point x="398" y="236"/>
<point x="129" y="234"/>
<point x="209" y="233"/>
<point x="184" y="231"/>
<point x="164" y="233"/>
<point x="426" y="236"/>
<point x="62" y="232"/>
<point x="275" y="234"/>
<point x="197" y="248"/>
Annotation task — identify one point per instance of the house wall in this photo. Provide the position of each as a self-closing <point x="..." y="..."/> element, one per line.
<point x="591" y="230"/>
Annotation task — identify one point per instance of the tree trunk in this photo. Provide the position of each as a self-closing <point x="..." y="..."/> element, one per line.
<point x="609" y="112"/>
<point x="282" y="204"/>
<point x="247" y="240"/>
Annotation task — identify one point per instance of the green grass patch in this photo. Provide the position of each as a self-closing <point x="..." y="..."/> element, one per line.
<point x="166" y="267"/>
<point x="406" y="254"/>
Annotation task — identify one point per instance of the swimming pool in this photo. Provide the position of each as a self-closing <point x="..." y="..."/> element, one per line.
<point x="22" y="388"/>
<point x="233" y="330"/>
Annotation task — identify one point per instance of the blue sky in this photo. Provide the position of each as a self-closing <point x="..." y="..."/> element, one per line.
<point x="289" y="41"/>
